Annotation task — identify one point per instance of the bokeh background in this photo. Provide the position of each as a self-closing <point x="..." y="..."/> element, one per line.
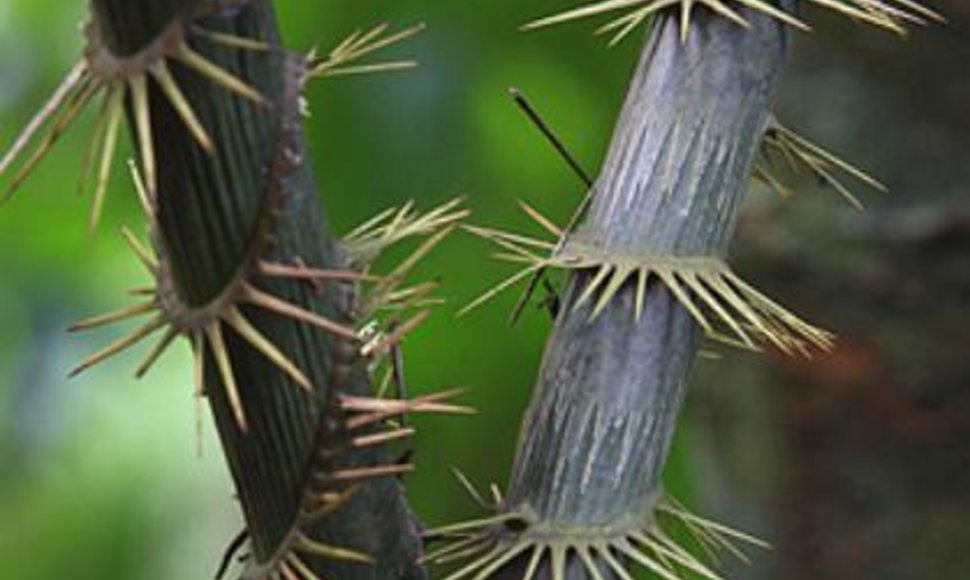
<point x="855" y="465"/>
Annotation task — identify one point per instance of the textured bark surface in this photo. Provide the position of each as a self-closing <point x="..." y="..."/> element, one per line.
<point x="600" y="425"/>
<point x="680" y="158"/>
<point x="257" y="190"/>
<point x="596" y="436"/>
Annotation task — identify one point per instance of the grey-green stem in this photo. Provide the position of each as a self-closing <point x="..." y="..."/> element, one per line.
<point x="598" y="431"/>
<point x="681" y="154"/>
<point x="600" y="424"/>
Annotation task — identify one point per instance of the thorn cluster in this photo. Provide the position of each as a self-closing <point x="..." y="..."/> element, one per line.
<point x="353" y="424"/>
<point x="782" y="148"/>
<point x="364" y="334"/>
<point x="722" y="303"/>
<point x="205" y="327"/>
<point x="892" y="15"/>
<point x="489" y="544"/>
<point x="121" y="80"/>
<point x="340" y="61"/>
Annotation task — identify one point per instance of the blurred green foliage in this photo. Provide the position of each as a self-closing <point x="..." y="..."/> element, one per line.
<point x="98" y="476"/>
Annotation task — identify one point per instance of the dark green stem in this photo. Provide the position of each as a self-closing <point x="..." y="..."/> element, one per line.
<point x="255" y="197"/>
<point x="130" y="26"/>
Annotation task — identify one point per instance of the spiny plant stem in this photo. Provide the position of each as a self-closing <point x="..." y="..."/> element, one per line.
<point x="597" y="432"/>
<point x="217" y="214"/>
<point x="585" y="498"/>
<point x="681" y="156"/>
<point x="599" y="428"/>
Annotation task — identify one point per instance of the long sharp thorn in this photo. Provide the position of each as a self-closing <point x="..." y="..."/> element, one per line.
<point x="540" y="219"/>
<point x="302" y="568"/>
<point x="116" y="316"/>
<point x="511" y="241"/>
<point x="382" y="438"/>
<point x="306" y="544"/>
<point x="920" y="8"/>
<point x="646" y="561"/>
<point x="156" y="353"/>
<point x="74" y="107"/>
<point x="470" y="526"/>
<point x="181" y="105"/>
<point x="331" y="502"/>
<point x="722" y="9"/>
<point x="218" y="75"/>
<point x="400" y="218"/>
<point x="673" y="285"/>
<point x="455" y="549"/>
<point x="834" y="159"/>
<point x="423" y="407"/>
<point x="144" y="196"/>
<point x="258" y="340"/>
<point x="284" y="308"/>
<point x="476" y="564"/>
<point x="304" y="273"/>
<point x="698" y="285"/>
<point x="496" y="494"/>
<point x="742" y="306"/>
<point x="534" y="562"/>
<point x="63" y="92"/>
<point x="641" y="297"/>
<point x="287" y="572"/>
<point x="469" y="487"/>
<point x="114" y="100"/>
<point x="144" y="254"/>
<point x="217" y="345"/>
<point x="397" y="65"/>
<point x="623" y="29"/>
<point x="143" y="127"/>
<point x="423" y="250"/>
<point x="369" y="47"/>
<point x="685" y="14"/>
<point x="501" y="286"/>
<point x="510" y="553"/>
<point x="366" y="229"/>
<point x="771" y="10"/>
<point x="97" y="138"/>
<point x="593" y="284"/>
<point x="611" y="289"/>
<point x="614" y="564"/>
<point x="383" y="408"/>
<point x="120" y="345"/>
<point x="591" y="9"/>
<point x="591" y="566"/>
<point x="558" y="562"/>
<point x="231" y="40"/>
<point x="357" y="46"/>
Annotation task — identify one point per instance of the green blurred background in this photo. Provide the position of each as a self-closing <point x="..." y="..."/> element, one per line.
<point x="100" y="478"/>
